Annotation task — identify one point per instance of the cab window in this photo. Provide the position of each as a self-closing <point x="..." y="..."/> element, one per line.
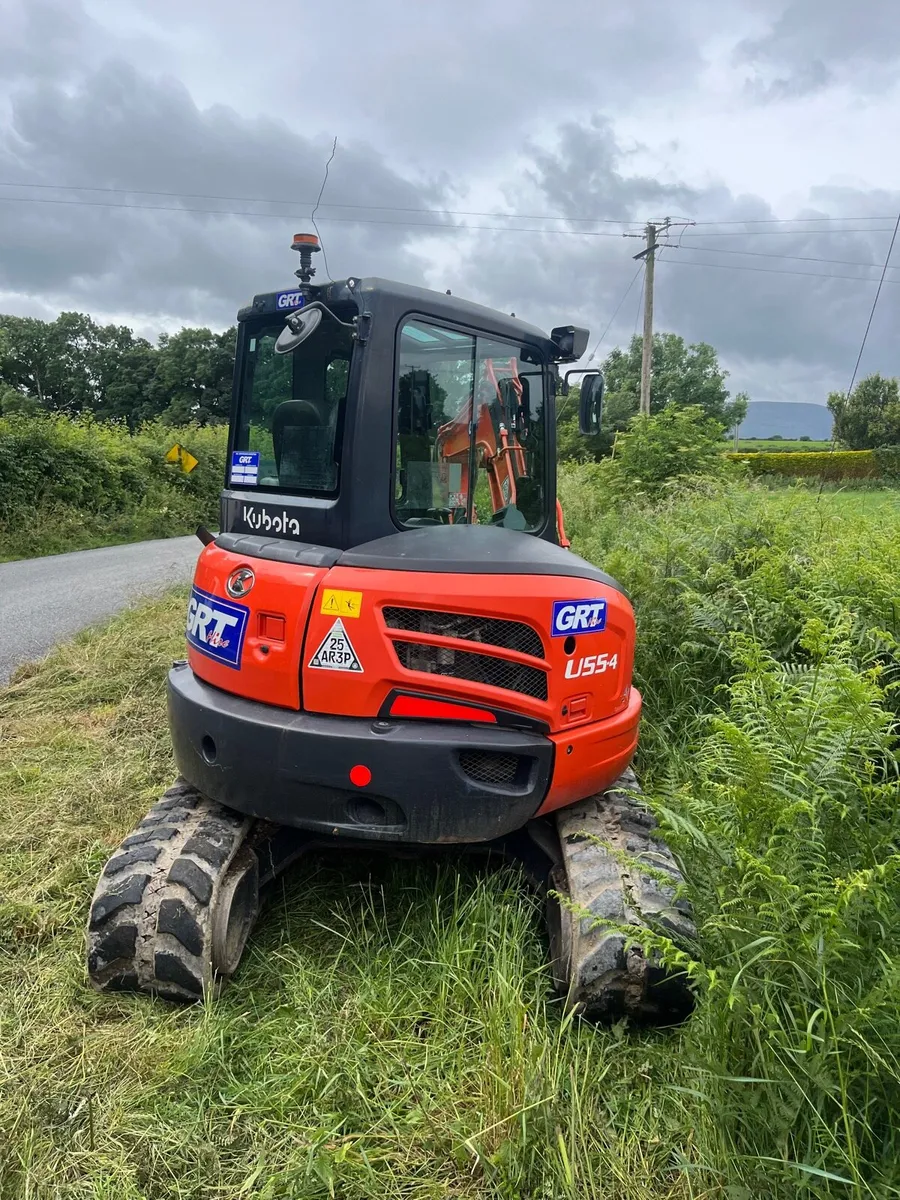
<point x="291" y="407"/>
<point x="470" y="430"/>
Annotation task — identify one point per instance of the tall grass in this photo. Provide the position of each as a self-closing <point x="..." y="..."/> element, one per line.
<point x="393" y="1032"/>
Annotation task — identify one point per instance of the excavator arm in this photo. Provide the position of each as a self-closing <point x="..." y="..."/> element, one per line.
<point x="502" y="424"/>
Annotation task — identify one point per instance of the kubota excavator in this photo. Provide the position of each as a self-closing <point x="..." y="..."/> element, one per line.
<point x="388" y="642"/>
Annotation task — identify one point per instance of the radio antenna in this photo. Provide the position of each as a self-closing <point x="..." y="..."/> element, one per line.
<point x="319" y="201"/>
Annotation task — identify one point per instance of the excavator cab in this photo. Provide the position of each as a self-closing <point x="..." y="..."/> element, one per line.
<point x="389" y="643"/>
<point x="364" y="407"/>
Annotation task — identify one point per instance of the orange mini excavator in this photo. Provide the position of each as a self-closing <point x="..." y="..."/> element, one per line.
<point x="390" y="643"/>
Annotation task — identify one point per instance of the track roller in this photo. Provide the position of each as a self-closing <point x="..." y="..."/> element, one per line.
<point x="601" y="971"/>
<point x="175" y="904"/>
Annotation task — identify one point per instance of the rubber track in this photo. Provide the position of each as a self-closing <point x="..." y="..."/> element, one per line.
<point x="150" y="923"/>
<point x="602" y="970"/>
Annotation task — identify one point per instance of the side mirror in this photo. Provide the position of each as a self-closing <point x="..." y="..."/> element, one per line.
<point x="591" y="410"/>
<point x="571" y="343"/>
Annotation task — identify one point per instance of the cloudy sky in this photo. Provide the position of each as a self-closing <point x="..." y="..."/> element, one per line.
<point x="156" y="156"/>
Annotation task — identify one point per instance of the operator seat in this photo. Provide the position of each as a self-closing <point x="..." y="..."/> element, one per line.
<point x="303" y="440"/>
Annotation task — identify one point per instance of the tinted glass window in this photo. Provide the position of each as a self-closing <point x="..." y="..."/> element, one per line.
<point x="470" y="430"/>
<point x="292" y="407"/>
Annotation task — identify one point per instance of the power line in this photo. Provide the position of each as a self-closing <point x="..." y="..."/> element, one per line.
<point x="786" y="220"/>
<point x="686" y="262"/>
<point x="593" y="353"/>
<point x="442" y="225"/>
<point x="70" y="187"/>
<point x="786" y="232"/>
<point x="448" y="212"/>
<point x="887" y="259"/>
<point x="844" y="262"/>
<point x="225" y="212"/>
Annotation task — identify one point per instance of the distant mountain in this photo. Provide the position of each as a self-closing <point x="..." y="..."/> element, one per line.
<point x="788" y="418"/>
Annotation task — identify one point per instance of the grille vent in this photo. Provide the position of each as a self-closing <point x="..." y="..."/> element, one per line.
<point x="476" y="668"/>
<point x="487" y="766"/>
<point x="491" y="631"/>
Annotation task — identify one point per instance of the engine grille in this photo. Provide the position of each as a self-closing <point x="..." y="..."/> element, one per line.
<point x="487" y="766"/>
<point x="492" y="631"/>
<point x="477" y="668"/>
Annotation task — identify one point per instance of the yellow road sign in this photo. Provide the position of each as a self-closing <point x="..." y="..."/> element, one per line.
<point x="178" y="454"/>
<point x="341" y="604"/>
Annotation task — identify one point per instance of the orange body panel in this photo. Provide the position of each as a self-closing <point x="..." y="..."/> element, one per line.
<point x="271" y="675"/>
<point x="591" y="713"/>
<point x="590" y="758"/>
<point x="528" y="599"/>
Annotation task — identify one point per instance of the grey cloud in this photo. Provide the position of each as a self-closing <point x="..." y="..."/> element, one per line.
<point x="452" y="93"/>
<point x="813" y="44"/>
<point x="782" y="331"/>
<point x="441" y="83"/>
<point x="119" y="129"/>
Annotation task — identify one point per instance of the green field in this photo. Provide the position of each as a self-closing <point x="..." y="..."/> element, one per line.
<point x="392" y="1032"/>
<point x="770" y="445"/>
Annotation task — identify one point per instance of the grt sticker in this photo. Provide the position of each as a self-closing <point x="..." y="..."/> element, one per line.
<point x="286" y="301"/>
<point x="244" y="468"/>
<point x="216" y="627"/>
<point x="578" y="616"/>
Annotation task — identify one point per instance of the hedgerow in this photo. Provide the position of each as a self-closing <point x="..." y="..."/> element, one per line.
<point x="66" y="484"/>
<point x="839" y="464"/>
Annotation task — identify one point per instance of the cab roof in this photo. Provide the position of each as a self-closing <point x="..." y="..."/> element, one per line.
<point x="374" y="293"/>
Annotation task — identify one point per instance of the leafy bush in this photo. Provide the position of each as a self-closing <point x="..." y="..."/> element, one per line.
<point x="839" y="464"/>
<point x="670" y="445"/>
<point x="66" y="484"/>
<point x="768" y="656"/>
<point x="888" y="460"/>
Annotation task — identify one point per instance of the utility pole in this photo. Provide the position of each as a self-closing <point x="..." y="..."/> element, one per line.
<point x="651" y="230"/>
<point x="647" y="348"/>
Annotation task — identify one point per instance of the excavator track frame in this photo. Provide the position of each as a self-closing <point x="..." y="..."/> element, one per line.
<point x="177" y="901"/>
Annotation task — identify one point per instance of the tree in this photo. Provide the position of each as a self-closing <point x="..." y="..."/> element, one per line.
<point x="127" y="368"/>
<point x="682" y="375"/>
<point x="27" y="362"/>
<point x="679" y="441"/>
<point x="870" y="416"/>
<point x="194" y="374"/>
<point x="14" y="402"/>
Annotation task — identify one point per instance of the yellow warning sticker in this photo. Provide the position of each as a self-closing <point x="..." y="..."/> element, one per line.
<point x="336" y="603"/>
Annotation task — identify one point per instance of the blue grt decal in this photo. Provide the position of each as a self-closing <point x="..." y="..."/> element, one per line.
<point x="578" y="616"/>
<point x="244" y="467"/>
<point x="286" y="301"/>
<point x="216" y="627"/>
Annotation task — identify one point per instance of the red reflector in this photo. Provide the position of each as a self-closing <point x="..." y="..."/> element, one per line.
<point x="360" y="776"/>
<point x="441" y="710"/>
<point x="271" y="627"/>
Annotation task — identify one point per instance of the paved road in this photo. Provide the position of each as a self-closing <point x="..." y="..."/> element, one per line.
<point x="43" y="600"/>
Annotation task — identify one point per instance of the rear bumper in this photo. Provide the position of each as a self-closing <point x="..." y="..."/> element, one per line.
<point x="429" y="781"/>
